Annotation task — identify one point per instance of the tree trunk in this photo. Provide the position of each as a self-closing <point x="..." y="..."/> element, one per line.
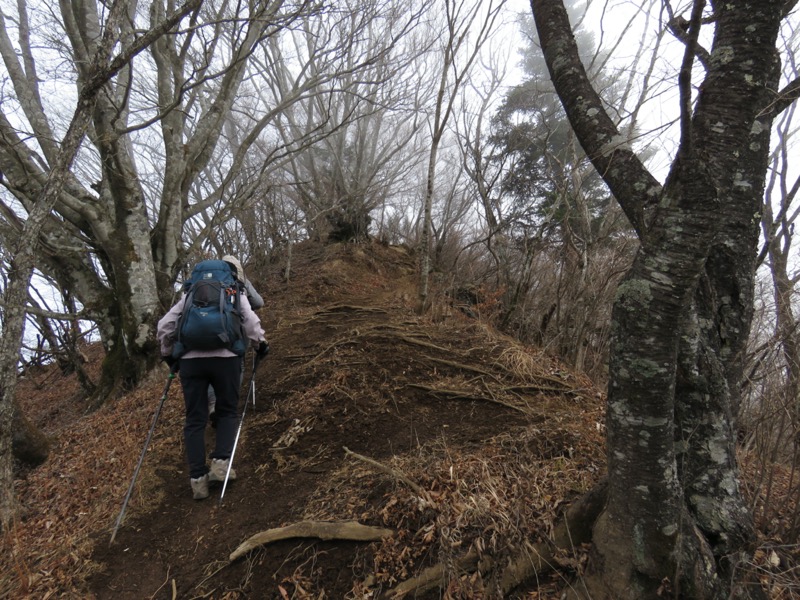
<point x="30" y="446"/>
<point x="711" y="360"/>
<point x="645" y="535"/>
<point x="16" y="300"/>
<point x="97" y="70"/>
<point x="423" y="302"/>
<point x="682" y="314"/>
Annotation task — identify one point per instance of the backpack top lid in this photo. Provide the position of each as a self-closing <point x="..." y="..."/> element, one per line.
<point x="211" y="271"/>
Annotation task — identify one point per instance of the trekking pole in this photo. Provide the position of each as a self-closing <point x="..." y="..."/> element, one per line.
<point x="170" y="377"/>
<point x="256" y="360"/>
<point x="252" y="391"/>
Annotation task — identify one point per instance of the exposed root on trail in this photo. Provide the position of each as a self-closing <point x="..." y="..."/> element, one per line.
<point x="533" y="560"/>
<point x="464" y="395"/>
<point x="337" y="308"/>
<point x="352" y="366"/>
<point x="460" y="366"/>
<point x="530" y="562"/>
<point x="323" y="530"/>
<point x="413" y="341"/>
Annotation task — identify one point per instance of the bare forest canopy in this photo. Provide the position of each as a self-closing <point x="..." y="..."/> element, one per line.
<point x="611" y="183"/>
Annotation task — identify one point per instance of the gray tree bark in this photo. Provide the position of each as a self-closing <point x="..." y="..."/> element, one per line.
<point x="99" y="243"/>
<point x="99" y="70"/>
<point x="682" y="315"/>
<point x="22" y="269"/>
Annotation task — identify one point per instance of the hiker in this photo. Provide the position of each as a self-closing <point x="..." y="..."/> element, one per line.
<point x="256" y="302"/>
<point x="192" y="344"/>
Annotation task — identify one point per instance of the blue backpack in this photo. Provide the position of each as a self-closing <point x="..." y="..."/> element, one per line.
<point x="212" y="316"/>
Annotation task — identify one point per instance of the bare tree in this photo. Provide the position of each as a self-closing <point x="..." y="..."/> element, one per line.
<point x="362" y="123"/>
<point x="771" y="413"/>
<point x="116" y="248"/>
<point x="558" y="242"/>
<point x="191" y="135"/>
<point x="467" y="28"/>
<point x="674" y="514"/>
<point x="98" y="71"/>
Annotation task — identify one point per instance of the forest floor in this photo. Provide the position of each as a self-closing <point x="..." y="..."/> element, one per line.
<point x="385" y="455"/>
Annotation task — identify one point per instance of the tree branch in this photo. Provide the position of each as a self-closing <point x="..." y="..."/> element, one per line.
<point x="785" y="98"/>
<point x="631" y="183"/>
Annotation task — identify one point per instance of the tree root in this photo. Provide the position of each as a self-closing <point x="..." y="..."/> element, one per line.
<point x="533" y="560"/>
<point x="346" y="530"/>
<point x="540" y="388"/>
<point x="562" y="388"/>
<point x="460" y="366"/>
<point x="573" y="529"/>
<point x="411" y="340"/>
<point x="334" y="308"/>
<point x="575" y="526"/>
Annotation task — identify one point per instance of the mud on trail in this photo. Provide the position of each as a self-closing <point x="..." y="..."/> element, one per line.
<point x="460" y="442"/>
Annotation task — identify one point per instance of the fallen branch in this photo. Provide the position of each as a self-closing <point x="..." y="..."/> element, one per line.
<point x="324" y="530"/>
<point x="396" y="474"/>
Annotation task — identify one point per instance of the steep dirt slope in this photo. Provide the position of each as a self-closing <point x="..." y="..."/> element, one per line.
<point x="458" y="440"/>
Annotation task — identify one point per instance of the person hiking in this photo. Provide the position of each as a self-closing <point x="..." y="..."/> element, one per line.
<point x="256" y="302"/>
<point x="255" y="299"/>
<point x="213" y="359"/>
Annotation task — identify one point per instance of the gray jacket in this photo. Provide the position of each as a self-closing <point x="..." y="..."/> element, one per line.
<point x="256" y="301"/>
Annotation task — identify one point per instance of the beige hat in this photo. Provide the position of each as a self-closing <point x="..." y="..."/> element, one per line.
<point x="236" y="265"/>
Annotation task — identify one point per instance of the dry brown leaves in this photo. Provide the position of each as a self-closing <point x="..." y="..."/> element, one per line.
<point x="71" y="502"/>
<point x="492" y="494"/>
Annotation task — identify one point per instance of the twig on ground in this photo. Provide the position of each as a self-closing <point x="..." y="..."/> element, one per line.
<point x="417" y="489"/>
<point x="464" y="395"/>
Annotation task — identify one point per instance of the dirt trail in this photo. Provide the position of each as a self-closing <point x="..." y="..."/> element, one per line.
<point x="480" y="440"/>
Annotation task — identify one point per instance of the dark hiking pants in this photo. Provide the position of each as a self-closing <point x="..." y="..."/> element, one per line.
<point x="224" y="375"/>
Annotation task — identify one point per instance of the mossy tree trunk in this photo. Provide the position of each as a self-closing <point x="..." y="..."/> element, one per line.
<point x="675" y="513"/>
<point x="23" y="263"/>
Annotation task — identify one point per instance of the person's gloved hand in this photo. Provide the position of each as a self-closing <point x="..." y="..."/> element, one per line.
<point x="262" y="350"/>
<point x="172" y="362"/>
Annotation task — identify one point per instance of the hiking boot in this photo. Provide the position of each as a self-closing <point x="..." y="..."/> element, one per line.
<point x="219" y="467"/>
<point x="200" y="487"/>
